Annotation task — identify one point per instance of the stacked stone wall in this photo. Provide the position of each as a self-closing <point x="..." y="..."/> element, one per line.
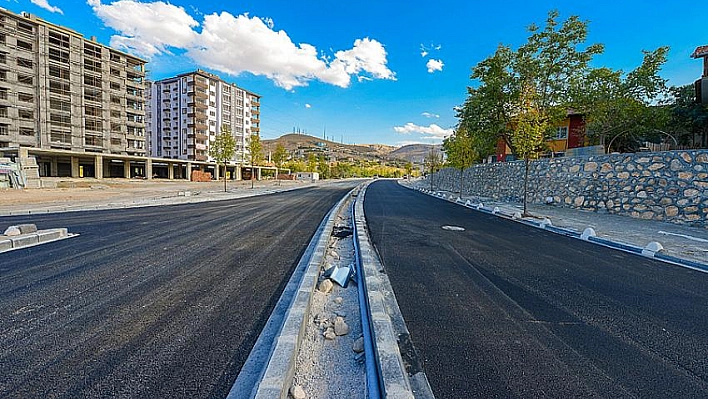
<point x="669" y="186"/>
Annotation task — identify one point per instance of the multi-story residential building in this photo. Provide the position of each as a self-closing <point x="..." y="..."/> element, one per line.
<point x="186" y="112"/>
<point x="701" y="85"/>
<point x="60" y="91"/>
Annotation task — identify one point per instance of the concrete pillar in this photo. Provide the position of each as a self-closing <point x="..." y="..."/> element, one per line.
<point x="148" y="168"/>
<point x="126" y="169"/>
<point x="54" y="167"/>
<point x="170" y="171"/>
<point x="98" y="166"/>
<point x="189" y="171"/>
<point x="75" y="167"/>
<point x="258" y="173"/>
<point x="238" y="172"/>
<point x="216" y="172"/>
<point x="23" y="152"/>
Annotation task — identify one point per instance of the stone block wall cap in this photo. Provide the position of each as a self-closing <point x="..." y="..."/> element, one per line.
<point x="652" y="248"/>
<point x="496" y="210"/>
<point x="587" y="233"/>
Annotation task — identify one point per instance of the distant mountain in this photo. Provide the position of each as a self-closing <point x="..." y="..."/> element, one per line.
<point x="415" y="153"/>
<point x="302" y="145"/>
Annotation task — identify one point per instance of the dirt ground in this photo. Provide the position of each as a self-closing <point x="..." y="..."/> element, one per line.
<point x="88" y="190"/>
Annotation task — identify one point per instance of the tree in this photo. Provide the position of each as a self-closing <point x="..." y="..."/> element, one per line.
<point x="311" y="162"/>
<point x="461" y="152"/>
<point x="409" y="169"/>
<point x="279" y="157"/>
<point x="255" y="154"/>
<point x="433" y="162"/>
<point x="688" y="123"/>
<point x="223" y="149"/>
<point x="531" y="127"/>
<point x="323" y="167"/>
<point x="619" y="110"/>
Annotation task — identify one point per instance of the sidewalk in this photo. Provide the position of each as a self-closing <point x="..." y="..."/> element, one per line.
<point x="91" y="194"/>
<point x="685" y="242"/>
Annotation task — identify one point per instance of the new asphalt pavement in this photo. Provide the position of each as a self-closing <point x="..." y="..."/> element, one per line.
<point x="505" y="310"/>
<point x="155" y="302"/>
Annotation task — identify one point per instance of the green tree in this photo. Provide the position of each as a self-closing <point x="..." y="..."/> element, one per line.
<point x="311" y="162"/>
<point x="222" y="149"/>
<point x="323" y="167"/>
<point x="279" y="157"/>
<point x="433" y="162"/>
<point x="461" y="152"/>
<point x="409" y="168"/>
<point x="255" y="154"/>
<point x="688" y="123"/>
<point x="619" y="110"/>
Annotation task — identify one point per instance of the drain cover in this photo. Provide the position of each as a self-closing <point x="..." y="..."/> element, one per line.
<point x="453" y="228"/>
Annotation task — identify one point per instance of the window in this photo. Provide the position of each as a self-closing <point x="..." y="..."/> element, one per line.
<point x="115" y="100"/>
<point x="4" y="130"/>
<point x="116" y="141"/>
<point x="58" y="72"/>
<point x="3" y="58"/>
<point x="92" y="94"/>
<point x="92" y="51"/>
<point x="59" y="55"/>
<point x="25" y="114"/>
<point x="115" y="72"/>
<point x="95" y="141"/>
<point x="25" y="79"/>
<point x="57" y="39"/>
<point x="562" y="133"/>
<point x="115" y="86"/>
<point x="115" y="57"/>
<point x="93" y="81"/>
<point x="92" y="111"/>
<point x="60" y="120"/>
<point x="24" y="45"/>
<point x="24" y="63"/>
<point x="58" y="136"/>
<point x="58" y="87"/>
<point x="91" y="65"/>
<point x="3" y="76"/>
<point x="26" y="131"/>
<point x="25" y="97"/>
<point x="59" y="105"/>
<point x="94" y="124"/>
<point x="3" y="111"/>
<point x="25" y="27"/>
<point x="3" y="94"/>
<point x="115" y="114"/>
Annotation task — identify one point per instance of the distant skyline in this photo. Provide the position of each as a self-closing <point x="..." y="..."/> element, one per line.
<point x="366" y="72"/>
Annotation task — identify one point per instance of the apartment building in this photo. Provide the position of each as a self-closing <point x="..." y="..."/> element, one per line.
<point x="60" y="91"/>
<point x="186" y="112"/>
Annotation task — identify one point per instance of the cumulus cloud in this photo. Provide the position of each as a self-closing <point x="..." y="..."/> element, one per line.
<point x="237" y="44"/>
<point x="434" y="65"/>
<point x="308" y="106"/>
<point x="430" y="116"/>
<point x="45" y="4"/>
<point x="430" y="132"/>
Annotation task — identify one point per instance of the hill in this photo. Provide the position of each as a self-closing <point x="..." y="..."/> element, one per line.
<point x="414" y="153"/>
<point x="301" y="145"/>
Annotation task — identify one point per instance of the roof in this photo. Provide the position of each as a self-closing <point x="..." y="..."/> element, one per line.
<point x="700" y="51"/>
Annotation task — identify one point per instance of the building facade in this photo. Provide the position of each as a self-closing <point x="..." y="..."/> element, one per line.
<point x="60" y="91"/>
<point x="186" y="112"/>
<point x="701" y="85"/>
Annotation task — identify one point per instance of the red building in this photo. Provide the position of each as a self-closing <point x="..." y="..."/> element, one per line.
<point x="569" y="134"/>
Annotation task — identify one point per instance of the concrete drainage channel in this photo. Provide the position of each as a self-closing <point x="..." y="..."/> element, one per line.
<point x="335" y="340"/>
<point x="27" y="235"/>
<point x="651" y="250"/>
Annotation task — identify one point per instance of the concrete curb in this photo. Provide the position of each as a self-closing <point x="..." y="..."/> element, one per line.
<point x="270" y="366"/>
<point x="11" y="243"/>
<point x="389" y="328"/>
<point x="546" y="225"/>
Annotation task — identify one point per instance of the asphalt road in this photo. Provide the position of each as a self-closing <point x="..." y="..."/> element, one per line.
<point x="509" y="311"/>
<point x="160" y="302"/>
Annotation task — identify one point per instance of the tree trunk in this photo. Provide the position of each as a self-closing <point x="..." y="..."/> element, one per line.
<point x="224" y="177"/>
<point x="526" y="183"/>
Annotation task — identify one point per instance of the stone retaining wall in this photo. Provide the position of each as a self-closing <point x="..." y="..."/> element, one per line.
<point x="670" y="186"/>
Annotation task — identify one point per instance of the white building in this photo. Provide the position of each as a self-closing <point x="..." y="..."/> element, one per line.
<point x="186" y="112"/>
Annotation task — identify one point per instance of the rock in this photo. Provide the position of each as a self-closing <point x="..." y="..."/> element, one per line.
<point x="329" y="333"/>
<point x="326" y="286"/>
<point x="338" y="300"/>
<point x="340" y="313"/>
<point x="297" y="392"/>
<point x="12" y="231"/>
<point x="358" y="345"/>
<point x="340" y="327"/>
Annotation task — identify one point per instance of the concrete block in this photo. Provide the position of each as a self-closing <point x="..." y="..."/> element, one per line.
<point x="27" y="228"/>
<point x="49" y="235"/>
<point x="5" y="244"/>
<point x="24" y="240"/>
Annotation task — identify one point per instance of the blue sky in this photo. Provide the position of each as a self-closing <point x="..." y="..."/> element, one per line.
<point x="386" y="72"/>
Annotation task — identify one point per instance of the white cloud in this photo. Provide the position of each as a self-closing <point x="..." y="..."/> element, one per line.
<point x="430" y="116"/>
<point x="431" y="132"/>
<point x="45" y="4"/>
<point x="308" y="106"/>
<point x="237" y="44"/>
<point x="434" y="65"/>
